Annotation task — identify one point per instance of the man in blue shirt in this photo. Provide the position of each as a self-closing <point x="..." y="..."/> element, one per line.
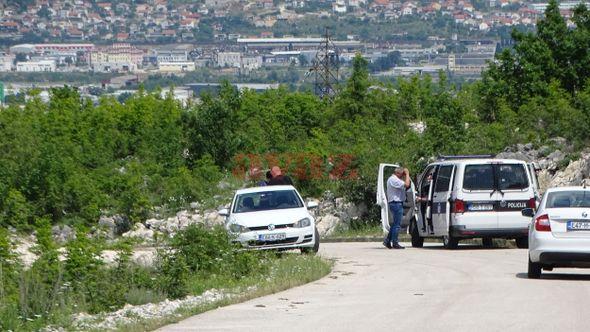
<point x="397" y="184"/>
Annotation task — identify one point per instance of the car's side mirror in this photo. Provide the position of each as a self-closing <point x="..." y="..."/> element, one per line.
<point x="223" y="212"/>
<point x="528" y="212"/>
<point x="312" y="205"/>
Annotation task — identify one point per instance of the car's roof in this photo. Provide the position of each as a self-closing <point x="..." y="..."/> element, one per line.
<point x="480" y="161"/>
<point x="570" y="188"/>
<point x="263" y="189"/>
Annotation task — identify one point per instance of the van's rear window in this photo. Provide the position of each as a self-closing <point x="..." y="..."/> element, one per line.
<point x="479" y="177"/>
<point x="512" y="176"/>
<point x="495" y="176"/>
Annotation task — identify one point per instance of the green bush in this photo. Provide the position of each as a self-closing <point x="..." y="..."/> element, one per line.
<point x="173" y="274"/>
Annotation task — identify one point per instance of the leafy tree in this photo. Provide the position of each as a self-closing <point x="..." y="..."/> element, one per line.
<point x="213" y="127"/>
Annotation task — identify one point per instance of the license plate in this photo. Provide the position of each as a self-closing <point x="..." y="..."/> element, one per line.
<point x="272" y="237"/>
<point x="578" y="226"/>
<point x="480" y="207"/>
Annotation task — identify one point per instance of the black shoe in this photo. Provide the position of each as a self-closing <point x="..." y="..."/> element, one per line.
<point x="387" y="244"/>
<point x="397" y="246"/>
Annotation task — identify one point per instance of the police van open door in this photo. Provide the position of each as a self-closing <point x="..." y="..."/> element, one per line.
<point x="385" y="171"/>
<point x="441" y="205"/>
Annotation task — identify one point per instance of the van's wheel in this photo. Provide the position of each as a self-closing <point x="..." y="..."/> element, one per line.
<point x="417" y="240"/>
<point x="450" y="242"/>
<point x="522" y="242"/>
<point x="534" y="271"/>
<point x="316" y="246"/>
<point x="487" y="242"/>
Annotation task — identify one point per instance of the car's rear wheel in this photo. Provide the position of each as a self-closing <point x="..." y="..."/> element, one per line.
<point x="450" y="242"/>
<point x="522" y="242"/>
<point x="487" y="242"/>
<point x="534" y="271"/>
<point x="417" y="240"/>
<point x="316" y="246"/>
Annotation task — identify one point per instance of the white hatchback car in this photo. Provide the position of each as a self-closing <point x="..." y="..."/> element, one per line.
<point x="272" y="217"/>
<point x="559" y="235"/>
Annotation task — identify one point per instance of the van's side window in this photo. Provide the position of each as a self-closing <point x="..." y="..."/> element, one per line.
<point x="479" y="177"/>
<point x="512" y="176"/>
<point x="443" y="179"/>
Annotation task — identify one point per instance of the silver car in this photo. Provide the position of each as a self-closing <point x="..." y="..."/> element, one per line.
<point x="559" y="233"/>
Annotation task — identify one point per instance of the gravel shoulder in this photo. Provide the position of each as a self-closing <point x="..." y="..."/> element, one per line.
<point x="371" y="288"/>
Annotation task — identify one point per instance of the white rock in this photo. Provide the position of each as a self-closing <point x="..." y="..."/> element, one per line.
<point x="154" y="224"/>
<point x="212" y="218"/>
<point x="140" y="231"/>
<point x="62" y="234"/>
<point x="327" y="224"/>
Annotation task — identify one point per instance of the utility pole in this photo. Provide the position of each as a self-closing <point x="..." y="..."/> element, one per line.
<point x="325" y="68"/>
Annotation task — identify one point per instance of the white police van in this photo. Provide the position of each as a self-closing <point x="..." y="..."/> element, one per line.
<point x="464" y="197"/>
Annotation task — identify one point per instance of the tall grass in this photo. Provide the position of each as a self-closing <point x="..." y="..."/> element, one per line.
<point x="196" y="259"/>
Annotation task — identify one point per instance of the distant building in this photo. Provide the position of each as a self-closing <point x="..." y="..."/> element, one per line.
<point x="564" y="5"/>
<point x="469" y="64"/>
<point x="199" y="88"/>
<point x="116" y="58"/>
<point x="176" y="67"/>
<point x="75" y="51"/>
<point x="36" y="66"/>
<point x="171" y="56"/>
<point x="339" y="7"/>
<point x="6" y="62"/>
<point x="251" y="62"/>
<point x="229" y="59"/>
<point x="292" y="43"/>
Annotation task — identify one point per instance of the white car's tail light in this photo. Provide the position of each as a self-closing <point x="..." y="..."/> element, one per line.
<point x="542" y="223"/>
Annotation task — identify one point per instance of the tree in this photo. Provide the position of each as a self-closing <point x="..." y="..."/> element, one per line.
<point x="213" y="127"/>
<point x="352" y="101"/>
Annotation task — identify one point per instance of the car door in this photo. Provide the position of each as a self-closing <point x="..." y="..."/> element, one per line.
<point x="441" y="206"/>
<point x="532" y="171"/>
<point x="409" y="206"/>
<point x="385" y="171"/>
<point x="424" y="191"/>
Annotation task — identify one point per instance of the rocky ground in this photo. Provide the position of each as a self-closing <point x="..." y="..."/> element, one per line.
<point x="557" y="163"/>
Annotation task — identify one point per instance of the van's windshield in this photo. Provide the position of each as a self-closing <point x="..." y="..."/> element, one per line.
<point x="495" y="177"/>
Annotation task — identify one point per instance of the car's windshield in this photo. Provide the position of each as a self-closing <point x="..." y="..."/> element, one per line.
<point x="568" y="199"/>
<point x="495" y="176"/>
<point x="267" y="200"/>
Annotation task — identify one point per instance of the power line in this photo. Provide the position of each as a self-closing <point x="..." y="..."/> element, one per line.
<point x="325" y="68"/>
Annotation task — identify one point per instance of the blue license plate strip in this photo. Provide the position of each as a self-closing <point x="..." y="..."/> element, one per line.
<point x="578" y="225"/>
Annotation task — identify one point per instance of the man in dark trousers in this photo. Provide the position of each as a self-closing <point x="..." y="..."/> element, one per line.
<point x="397" y="184"/>
<point x="278" y="178"/>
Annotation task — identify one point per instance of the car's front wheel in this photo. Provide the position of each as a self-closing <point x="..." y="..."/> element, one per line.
<point x="534" y="271"/>
<point x="316" y="246"/>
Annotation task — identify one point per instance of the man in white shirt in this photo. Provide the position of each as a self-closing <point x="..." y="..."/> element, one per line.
<point x="397" y="184"/>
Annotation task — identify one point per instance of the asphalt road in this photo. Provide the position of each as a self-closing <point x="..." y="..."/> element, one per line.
<point x="375" y="289"/>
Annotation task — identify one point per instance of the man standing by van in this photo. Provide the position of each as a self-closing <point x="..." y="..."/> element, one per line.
<point x="397" y="184"/>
